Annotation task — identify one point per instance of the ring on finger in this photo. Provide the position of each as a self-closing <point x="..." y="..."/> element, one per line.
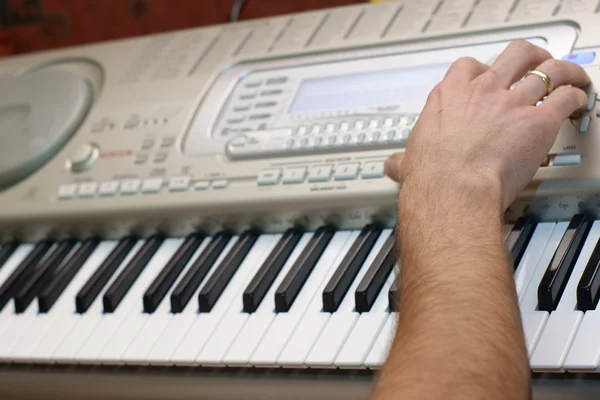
<point x="544" y="77"/>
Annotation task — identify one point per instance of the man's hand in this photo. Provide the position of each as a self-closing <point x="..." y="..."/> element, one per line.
<point x="478" y="135"/>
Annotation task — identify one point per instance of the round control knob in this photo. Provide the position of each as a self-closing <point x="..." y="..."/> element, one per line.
<point x="83" y="157"/>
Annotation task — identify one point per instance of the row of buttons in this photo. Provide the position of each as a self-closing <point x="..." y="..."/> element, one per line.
<point x="340" y="140"/>
<point x="160" y="156"/>
<point x="320" y="173"/>
<point x="134" y="186"/>
<point x="406" y="121"/>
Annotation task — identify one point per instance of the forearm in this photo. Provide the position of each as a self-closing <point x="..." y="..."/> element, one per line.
<point x="459" y="333"/>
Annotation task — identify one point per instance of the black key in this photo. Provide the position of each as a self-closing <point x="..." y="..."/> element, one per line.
<point x="393" y="294"/>
<point x="119" y="288"/>
<point x="588" y="289"/>
<point x="213" y="288"/>
<point x="6" y="251"/>
<point x="556" y="276"/>
<point x="42" y="272"/>
<point x="341" y="280"/>
<point x="294" y="281"/>
<point x="186" y="287"/>
<point x="61" y="279"/>
<point x="518" y="238"/>
<point x="163" y="282"/>
<point x="262" y="281"/>
<point x="101" y="276"/>
<point x="8" y="288"/>
<point x="369" y="287"/>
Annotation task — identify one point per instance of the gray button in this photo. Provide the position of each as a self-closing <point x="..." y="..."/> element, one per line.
<point x="294" y="175"/>
<point x="141" y="158"/>
<point x="271" y="93"/>
<point x="269" y="177"/>
<point x="584" y="124"/>
<point x="147" y="144"/>
<point x="252" y="84"/>
<point x="84" y="157"/>
<point x="67" y="191"/>
<point x="220" y="184"/>
<point x="130" y="186"/>
<point x="248" y="96"/>
<point x="167" y="142"/>
<point x="346" y="172"/>
<point x="259" y="116"/>
<point x="372" y="170"/>
<point x="202" y="185"/>
<point x="320" y="173"/>
<point x="179" y="184"/>
<point x="152" y="185"/>
<point x="277" y="81"/>
<point x="591" y="101"/>
<point x="87" y="189"/>
<point x="160" y="157"/>
<point x="242" y="108"/>
<point x="266" y="104"/>
<point x="109" y="188"/>
<point x="567" y="159"/>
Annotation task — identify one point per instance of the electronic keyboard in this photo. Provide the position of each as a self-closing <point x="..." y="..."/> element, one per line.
<point x="204" y="212"/>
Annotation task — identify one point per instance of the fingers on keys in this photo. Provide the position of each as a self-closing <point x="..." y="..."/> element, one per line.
<point x="516" y="60"/>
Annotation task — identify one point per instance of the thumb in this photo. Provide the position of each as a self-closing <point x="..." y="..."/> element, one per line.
<point x="393" y="166"/>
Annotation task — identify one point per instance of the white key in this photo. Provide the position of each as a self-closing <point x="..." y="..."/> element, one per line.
<point x="234" y="318"/>
<point x="285" y="324"/>
<point x="84" y="325"/>
<point x="64" y="305"/>
<point x="92" y="350"/>
<point x="258" y="322"/>
<point x="383" y="343"/>
<point x="64" y="322"/>
<point x="532" y="255"/>
<point x="157" y="322"/>
<point x="358" y="344"/>
<point x="313" y="321"/>
<point x="133" y="318"/>
<point x="7" y="313"/>
<point x="533" y="319"/>
<point x="205" y="323"/>
<point x="341" y="322"/>
<point x="584" y="354"/>
<point x="557" y="337"/>
<point x="180" y="323"/>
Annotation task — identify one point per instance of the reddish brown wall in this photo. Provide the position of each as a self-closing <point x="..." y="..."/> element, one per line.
<point x="30" y="25"/>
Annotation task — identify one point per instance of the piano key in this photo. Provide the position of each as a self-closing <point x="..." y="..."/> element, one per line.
<point x="92" y="349"/>
<point x="381" y="348"/>
<point x="134" y="317"/>
<point x="584" y="354"/>
<point x="57" y="284"/>
<point x="559" y="270"/>
<point x="341" y="322"/>
<point x="205" y="323"/>
<point x="158" y="321"/>
<point x="68" y="317"/>
<point x="30" y="288"/>
<point x="121" y="286"/>
<point x="214" y="287"/>
<point x="370" y="286"/>
<point x="43" y="322"/>
<point x="534" y="319"/>
<point x="588" y="288"/>
<point x="530" y="259"/>
<point x="27" y="264"/>
<point x="356" y="347"/>
<point x="519" y="238"/>
<point x="163" y="282"/>
<point x="559" y="332"/>
<point x="233" y="319"/>
<point x="294" y="281"/>
<point x="258" y="323"/>
<point x="6" y="250"/>
<point x="285" y="323"/>
<point x="338" y="285"/>
<point x="190" y="282"/>
<point x="87" y="323"/>
<point x="307" y="331"/>
<point x="181" y="322"/>
<point x="7" y="313"/>
<point x="103" y="274"/>
<point x="263" y="280"/>
<point x="393" y="294"/>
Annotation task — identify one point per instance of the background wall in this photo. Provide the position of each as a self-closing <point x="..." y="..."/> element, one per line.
<point x="32" y="25"/>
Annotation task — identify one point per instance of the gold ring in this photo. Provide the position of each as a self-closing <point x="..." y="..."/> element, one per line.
<point x="543" y="77"/>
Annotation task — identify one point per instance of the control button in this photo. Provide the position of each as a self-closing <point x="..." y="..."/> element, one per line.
<point x="372" y="170"/>
<point x="359" y="125"/>
<point x="253" y="84"/>
<point x="269" y="177"/>
<point x="359" y="138"/>
<point x="219" y="184"/>
<point x="581" y="58"/>
<point x="241" y="108"/>
<point x="140" y="158"/>
<point x="318" y="141"/>
<point x="160" y="156"/>
<point x="374" y="123"/>
<point x="83" y="157"/>
<point x="179" y="184"/>
<point x="346" y="172"/>
<point x="374" y="137"/>
<point x="566" y="159"/>
<point x="389" y="122"/>
<point x="238" y="142"/>
<point x="67" y="191"/>
<point x="248" y="96"/>
<point x="388" y="136"/>
<point x="277" y="81"/>
<point x="234" y="121"/>
<point x="130" y="186"/>
<point x="202" y="185"/>
<point x="109" y="188"/>
<point x="330" y="127"/>
<point x="320" y="173"/>
<point x="152" y="185"/>
<point x="294" y="175"/>
<point x="302" y="130"/>
<point x="591" y="101"/>
<point x="289" y="144"/>
<point x="87" y="189"/>
<point x="584" y="124"/>
<point x="344" y="126"/>
<point x="167" y="142"/>
<point x="147" y="144"/>
<point x="331" y="140"/>
<point x="345" y="139"/>
<point x="316" y="129"/>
